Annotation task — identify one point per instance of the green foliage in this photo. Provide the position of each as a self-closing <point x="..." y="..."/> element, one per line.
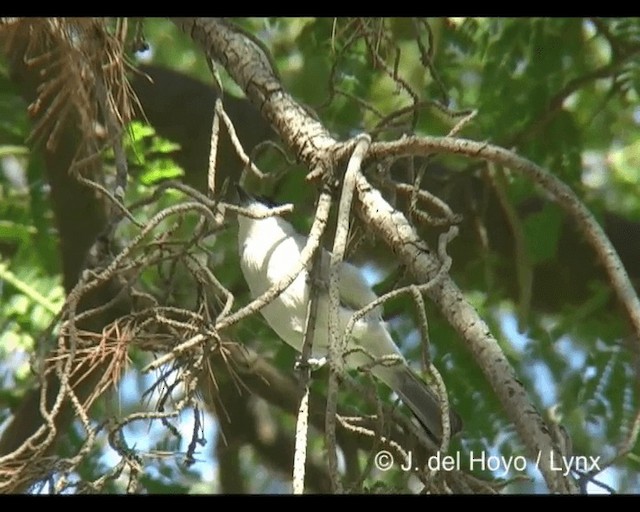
<point x="552" y="90"/>
<point x="152" y="154"/>
<point x="542" y="231"/>
<point x="30" y="290"/>
<point x="171" y="47"/>
<point x="561" y="92"/>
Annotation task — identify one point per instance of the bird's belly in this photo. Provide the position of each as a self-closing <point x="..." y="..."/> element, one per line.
<point x="290" y="327"/>
<point x="287" y="314"/>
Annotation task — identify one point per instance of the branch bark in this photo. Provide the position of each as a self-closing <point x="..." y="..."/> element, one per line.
<point x="395" y="230"/>
<point x="246" y="62"/>
<point x="560" y="192"/>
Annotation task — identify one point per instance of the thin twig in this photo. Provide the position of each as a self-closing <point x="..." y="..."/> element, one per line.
<point x="213" y="149"/>
<point x="336" y="343"/>
<point x="559" y="191"/>
<point x="395" y="230"/>
<point x="304" y="368"/>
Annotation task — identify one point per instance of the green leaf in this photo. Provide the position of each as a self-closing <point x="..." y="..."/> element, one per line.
<point x="160" y="170"/>
<point x="542" y="232"/>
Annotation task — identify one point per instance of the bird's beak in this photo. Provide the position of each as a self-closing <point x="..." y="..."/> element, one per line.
<point x="244" y="196"/>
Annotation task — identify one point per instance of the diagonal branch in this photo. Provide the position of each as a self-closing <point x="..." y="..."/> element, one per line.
<point x="248" y="65"/>
<point x="559" y="191"/>
<point x="395" y="230"/>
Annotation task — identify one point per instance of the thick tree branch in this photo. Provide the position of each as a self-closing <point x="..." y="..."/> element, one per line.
<point x="395" y="230"/>
<point x="245" y="61"/>
<point x="248" y="65"/>
<point x="559" y="191"/>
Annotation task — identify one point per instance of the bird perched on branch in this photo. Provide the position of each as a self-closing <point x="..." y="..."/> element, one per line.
<point x="269" y="248"/>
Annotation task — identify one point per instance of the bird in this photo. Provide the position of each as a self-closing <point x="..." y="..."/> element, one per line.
<point x="268" y="248"/>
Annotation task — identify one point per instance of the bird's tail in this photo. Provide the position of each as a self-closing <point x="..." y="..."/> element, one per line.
<point x="422" y="402"/>
<point x="411" y="389"/>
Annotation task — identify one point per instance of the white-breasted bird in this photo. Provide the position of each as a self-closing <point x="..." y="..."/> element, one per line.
<point x="269" y="247"/>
